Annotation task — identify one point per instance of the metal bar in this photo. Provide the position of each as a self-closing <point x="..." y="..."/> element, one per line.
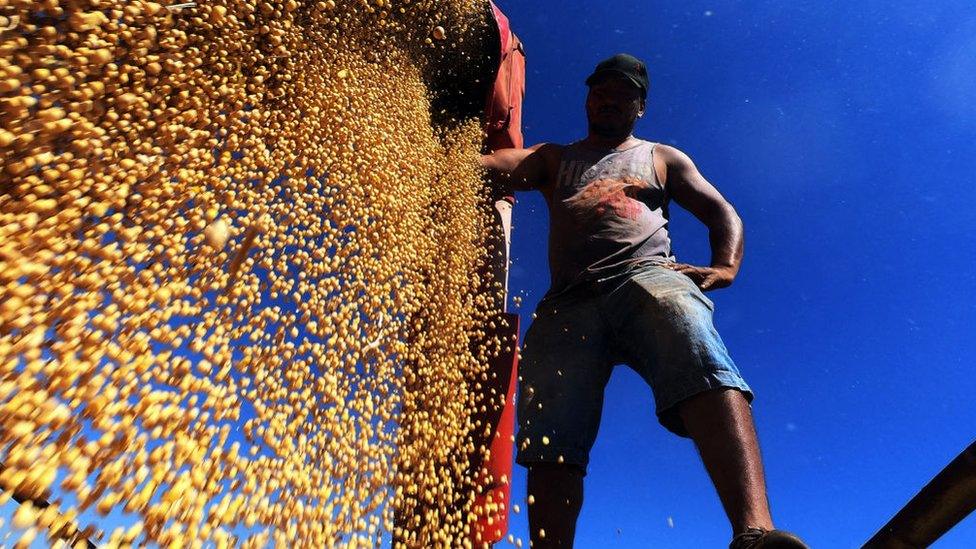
<point x="69" y="533"/>
<point x="940" y="505"/>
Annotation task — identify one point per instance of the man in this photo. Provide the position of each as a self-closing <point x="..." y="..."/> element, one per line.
<point x="617" y="295"/>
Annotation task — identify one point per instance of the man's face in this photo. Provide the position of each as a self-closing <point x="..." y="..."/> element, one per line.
<point x="613" y="105"/>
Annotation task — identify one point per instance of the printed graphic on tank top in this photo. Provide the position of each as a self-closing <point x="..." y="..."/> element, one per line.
<point x="606" y="211"/>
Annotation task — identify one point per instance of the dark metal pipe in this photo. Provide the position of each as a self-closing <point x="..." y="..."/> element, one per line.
<point x="70" y="533"/>
<point x="940" y="505"/>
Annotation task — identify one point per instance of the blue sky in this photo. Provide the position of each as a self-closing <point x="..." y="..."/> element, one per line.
<point x="843" y="133"/>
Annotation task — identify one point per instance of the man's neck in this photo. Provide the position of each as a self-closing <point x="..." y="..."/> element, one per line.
<point x="597" y="141"/>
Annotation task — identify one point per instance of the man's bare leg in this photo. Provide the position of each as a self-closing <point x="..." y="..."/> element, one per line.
<point x="720" y="423"/>
<point x="557" y="491"/>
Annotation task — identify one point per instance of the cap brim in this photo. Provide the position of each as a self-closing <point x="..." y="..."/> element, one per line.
<point x="599" y="75"/>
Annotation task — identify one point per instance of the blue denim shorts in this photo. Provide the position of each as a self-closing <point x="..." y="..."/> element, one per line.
<point x="650" y="318"/>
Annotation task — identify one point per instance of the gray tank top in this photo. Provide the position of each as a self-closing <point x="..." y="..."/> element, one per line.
<point x="607" y="211"/>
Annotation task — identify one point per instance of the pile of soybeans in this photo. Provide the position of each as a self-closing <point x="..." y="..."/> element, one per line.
<point x="237" y="290"/>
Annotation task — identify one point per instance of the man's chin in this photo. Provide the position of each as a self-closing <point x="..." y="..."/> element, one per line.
<point x="607" y="130"/>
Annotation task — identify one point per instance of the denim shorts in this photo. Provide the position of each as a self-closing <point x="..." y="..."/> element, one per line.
<point x="650" y="318"/>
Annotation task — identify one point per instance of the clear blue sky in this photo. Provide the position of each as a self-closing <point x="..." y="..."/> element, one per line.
<point x="843" y="133"/>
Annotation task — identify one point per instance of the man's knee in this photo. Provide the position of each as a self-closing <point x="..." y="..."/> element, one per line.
<point x="710" y="400"/>
<point x="717" y="411"/>
<point x="710" y="405"/>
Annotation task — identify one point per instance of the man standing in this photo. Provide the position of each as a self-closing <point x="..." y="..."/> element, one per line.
<point x="617" y="295"/>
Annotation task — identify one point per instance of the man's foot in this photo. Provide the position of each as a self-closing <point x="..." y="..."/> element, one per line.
<point x="757" y="538"/>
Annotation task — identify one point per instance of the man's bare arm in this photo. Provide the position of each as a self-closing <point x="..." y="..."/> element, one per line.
<point x="693" y="192"/>
<point x="518" y="169"/>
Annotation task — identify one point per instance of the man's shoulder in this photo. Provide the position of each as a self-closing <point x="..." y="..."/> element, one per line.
<point x="549" y="152"/>
<point x="669" y="153"/>
<point x="664" y="158"/>
<point x="544" y="161"/>
<point x="549" y="148"/>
